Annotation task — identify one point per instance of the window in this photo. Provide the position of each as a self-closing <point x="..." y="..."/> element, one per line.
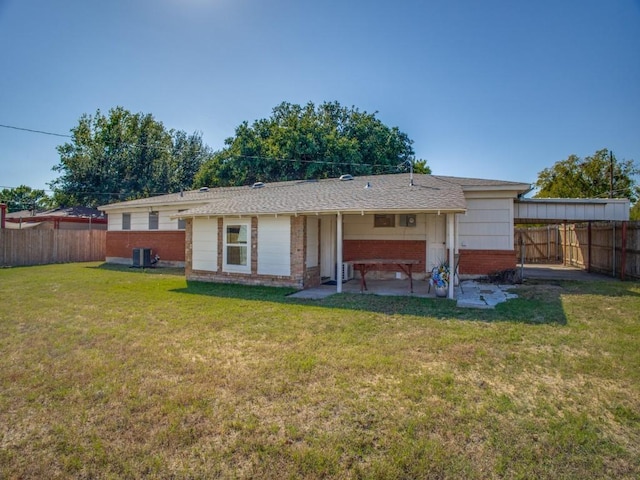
<point x="126" y="221"/>
<point x="153" y="220"/>
<point x="182" y="222"/>
<point x="237" y="247"/>
<point x="384" y="220"/>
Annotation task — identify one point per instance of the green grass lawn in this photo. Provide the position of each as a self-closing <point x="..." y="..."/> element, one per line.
<point x="109" y="372"/>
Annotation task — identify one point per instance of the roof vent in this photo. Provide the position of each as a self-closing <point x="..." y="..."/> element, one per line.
<point x="345" y="177"/>
<point x="258" y="185"/>
<point x="204" y="189"/>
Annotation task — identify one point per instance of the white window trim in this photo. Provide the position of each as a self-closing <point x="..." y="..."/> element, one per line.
<point x="157" y="220"/>
<point x="182" y="222"/>
<point x="236" y="268"/>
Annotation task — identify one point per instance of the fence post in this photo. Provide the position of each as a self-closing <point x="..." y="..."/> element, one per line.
<point x="623" y="254"/>
<point x="564" y="244"/>
<point x="613" y="250"/>
<point x="522" y="251"/>
<point x="589" y="247"/>
<point x="3" y="214"/>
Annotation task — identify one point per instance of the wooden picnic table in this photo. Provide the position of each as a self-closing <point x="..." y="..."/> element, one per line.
<point x="364" y="265"/>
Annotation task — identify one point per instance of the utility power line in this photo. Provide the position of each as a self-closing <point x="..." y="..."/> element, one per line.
<point x="35" y="131"/>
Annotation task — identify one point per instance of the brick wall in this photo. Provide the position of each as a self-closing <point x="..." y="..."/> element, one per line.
<point x="298" y="247"/>
<point x="170" y="245"/>
<point x="483" y="262"/>
<point x="299" y="278"/>
<point x="396" y="249"/>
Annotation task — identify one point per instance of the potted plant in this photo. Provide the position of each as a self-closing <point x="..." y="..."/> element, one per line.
<point x="440" y="276"/>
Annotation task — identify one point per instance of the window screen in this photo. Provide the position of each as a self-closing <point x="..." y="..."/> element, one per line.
<point x="153" y="220"/>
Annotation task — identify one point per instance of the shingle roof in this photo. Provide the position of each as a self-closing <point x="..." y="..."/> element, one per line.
<point x="187" y="197"/>
<point x="384" y="193"/>
<point x="370" y="194"/>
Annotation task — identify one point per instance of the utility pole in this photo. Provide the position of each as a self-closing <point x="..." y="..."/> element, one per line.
<point x="610" y="174"/>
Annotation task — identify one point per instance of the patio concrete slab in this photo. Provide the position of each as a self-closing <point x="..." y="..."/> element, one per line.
<point x="472" y="295"/>
<point x="375" y="287"/>
<point x="316" y="293"/>
<point x="556" y="271"/>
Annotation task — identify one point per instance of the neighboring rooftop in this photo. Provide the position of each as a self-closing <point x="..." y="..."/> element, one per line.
<point x="67" y="212"/>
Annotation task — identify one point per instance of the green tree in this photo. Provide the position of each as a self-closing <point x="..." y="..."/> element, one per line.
<point x="24" y="198"/>
<point x="598" y="176"/>
<point x="302" y="142"/>
<point x="420" y="166"/>
<point x="123" y="156"/>
<point x="634" y="213"/>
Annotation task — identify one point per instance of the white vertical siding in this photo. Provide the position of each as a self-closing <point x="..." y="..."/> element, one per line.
<point x="274" y="246"/>
<point x="205" y="244"/>
<point x="140" y="217"/>
<point x="114" y="221"/>
<point x="140" y="220"/>
<point x="487" y="225"/>
<point x="312" y="242"/>
<point x="165" y="222"/>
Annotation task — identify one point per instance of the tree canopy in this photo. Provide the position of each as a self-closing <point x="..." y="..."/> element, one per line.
<point x="24" y="198"/>
<point x="303" y="142"/>
<point x="598" y="176"/>
<point x="634" y="212"/>
<point x="124" y="156"/>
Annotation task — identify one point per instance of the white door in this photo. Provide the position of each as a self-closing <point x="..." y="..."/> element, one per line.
<point x="436" y="238"/>
<point x="436" y="254"/>
<point x="328" y="247"/>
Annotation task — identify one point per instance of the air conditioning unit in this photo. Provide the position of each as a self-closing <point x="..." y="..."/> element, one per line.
<point x="142" y="258"/>
<point x="347" y="272"/>
<point x="408" y="220"/>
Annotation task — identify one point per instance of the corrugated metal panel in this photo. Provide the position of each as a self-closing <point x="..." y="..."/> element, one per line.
<point x="571" y="210"/>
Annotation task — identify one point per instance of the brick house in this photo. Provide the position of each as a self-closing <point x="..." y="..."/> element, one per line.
<point x="302" y="233"/>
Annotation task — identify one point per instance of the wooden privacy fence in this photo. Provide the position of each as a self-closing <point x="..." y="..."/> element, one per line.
<point x="40" y="247"/>
<point x="540" y="244"/>
<point x="611" y="248"/>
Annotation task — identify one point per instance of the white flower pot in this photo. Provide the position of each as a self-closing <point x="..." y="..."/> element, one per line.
<point x="441" y="291"/>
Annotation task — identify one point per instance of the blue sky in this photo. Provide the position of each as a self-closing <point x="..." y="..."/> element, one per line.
<point x="493" y="89"/>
